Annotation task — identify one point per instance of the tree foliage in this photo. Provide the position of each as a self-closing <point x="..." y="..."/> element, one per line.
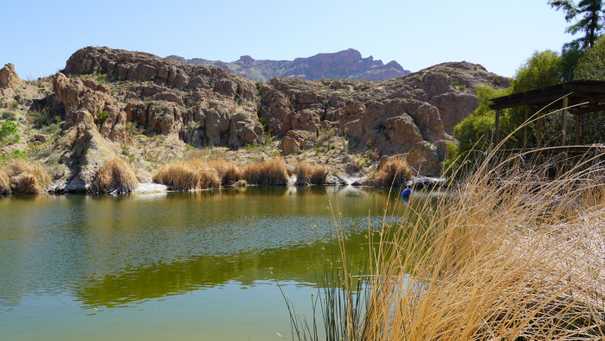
<point x="592" y="63"/>
<point x="542" y="69"/>
<point x="474" y="133"/>
<point x="586" y="17"/>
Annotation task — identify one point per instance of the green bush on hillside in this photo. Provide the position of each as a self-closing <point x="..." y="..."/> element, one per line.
<point x="9" y="132"/>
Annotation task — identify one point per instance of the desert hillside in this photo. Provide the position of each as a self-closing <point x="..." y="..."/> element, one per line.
<point x="109" y="103"/>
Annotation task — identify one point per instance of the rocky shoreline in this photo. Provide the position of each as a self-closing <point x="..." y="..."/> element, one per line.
<point x="148" y="111"/>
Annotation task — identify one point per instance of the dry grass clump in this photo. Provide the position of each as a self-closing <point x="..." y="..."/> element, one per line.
<point x="267" y="173"/>
<point x="307" y="174"/>
<point x="187" y="176"/>
<point x="392" y="173"/>
<point x="27" y="177"/>
<point x="506" y="256"/>
<point x="5" y="183"/>
<point x="114" y="177"/>
<point x="228" y="172"/>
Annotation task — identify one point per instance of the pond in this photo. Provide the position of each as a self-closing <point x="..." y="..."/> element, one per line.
<point x="202" y="266"/>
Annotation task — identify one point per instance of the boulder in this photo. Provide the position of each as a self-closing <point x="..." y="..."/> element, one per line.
<point x="217" y="125"/>
<point x="427" y="183"/>
<point x="244" y="130"/>
<point x="454" y="107"/>
<point x="163" y="117"/>
<point x="401" y="134"/>
<point x="296" y="141"/>
<point x="9" y="77"/>
<point x="424" y="159"/>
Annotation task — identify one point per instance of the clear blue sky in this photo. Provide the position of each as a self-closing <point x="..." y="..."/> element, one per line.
<point x="39" y="36"/>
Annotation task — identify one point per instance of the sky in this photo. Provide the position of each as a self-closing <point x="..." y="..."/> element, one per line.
<point x="39" y="36"/>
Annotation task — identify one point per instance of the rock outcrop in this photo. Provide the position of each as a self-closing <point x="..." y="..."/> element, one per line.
<point x="203" y="105"/>
<point x="85" y="151"/>
<point x="104" y="94"/>
<point x="9" y="77"/>
<point x="346" y="64"/>
<point x="412" y="115"/>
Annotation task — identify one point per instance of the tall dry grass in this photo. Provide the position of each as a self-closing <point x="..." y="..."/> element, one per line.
<point x="27" y="177"/>
<point x="267" y="173"/>
<point x="187" y="176"/>
<point x="5" y="183"/>
<point x="512" y="252"/>
<point x="392" y="173"/>
<point x="114" y="177"/>
<point x="507" y="255"/>
<point x="228" y="172"/>
<point x="308" y="174"/>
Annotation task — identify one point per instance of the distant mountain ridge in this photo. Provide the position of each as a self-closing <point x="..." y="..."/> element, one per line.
<point x="346" y="64"/>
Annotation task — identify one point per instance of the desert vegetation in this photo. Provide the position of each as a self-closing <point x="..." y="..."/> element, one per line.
<point x="114" y="177"/>
<point x="393" y="172"/>
<point x="507" y="255"/>
<point x="267" y="173"/>
<point x="5" y="184"/>
<point x="24" y="178"/>
<point x="228" y="172"/>
<point x="188" y="176"/>
<point x="308" y="174"/>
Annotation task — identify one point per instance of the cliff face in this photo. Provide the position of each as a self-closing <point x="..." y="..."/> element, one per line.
<point x="115" y="100"/>
<point x="347" y="64"/>
<point x="413" y="115"/>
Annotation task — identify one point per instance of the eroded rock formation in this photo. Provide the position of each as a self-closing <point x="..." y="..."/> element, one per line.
<point x="103" y="92"/>
<point x="9" y="77"/>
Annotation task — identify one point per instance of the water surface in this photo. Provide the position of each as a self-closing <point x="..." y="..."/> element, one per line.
<point x="205" y="266"/>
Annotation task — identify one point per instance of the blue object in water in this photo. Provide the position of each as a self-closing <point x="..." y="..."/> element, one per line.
<point x="405" y="194"/>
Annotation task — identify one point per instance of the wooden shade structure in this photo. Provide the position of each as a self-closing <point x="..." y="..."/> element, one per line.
<point x="579" y="97"/>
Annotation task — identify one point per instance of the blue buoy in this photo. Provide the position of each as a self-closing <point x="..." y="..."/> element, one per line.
<point x="405" y="194"/>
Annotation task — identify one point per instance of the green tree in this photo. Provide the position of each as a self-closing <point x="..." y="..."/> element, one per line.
<point x="474" y="133"/>
<point x="592" y="63"/>
<point x="569" y="61"/>
<point x="586" y="17"/>
<point x="591" y="66"/>
<point x="542" y="69"/>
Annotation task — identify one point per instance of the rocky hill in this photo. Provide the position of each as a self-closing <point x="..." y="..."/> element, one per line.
<point x="149" y="111"/>
<point x="347" y="64"/>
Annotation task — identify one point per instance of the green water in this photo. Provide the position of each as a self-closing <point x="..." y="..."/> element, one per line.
<point x="180" y="266"/>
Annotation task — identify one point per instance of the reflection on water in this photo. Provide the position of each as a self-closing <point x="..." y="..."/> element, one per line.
<point x="86" y="254"/>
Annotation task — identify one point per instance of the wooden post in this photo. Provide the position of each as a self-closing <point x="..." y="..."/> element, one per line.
<point x="540" y="130"/>
<point x="564" y="121"/>
<point x="525" y="130"/>
<point x="579" y="129"/>
<point x="496" y="134"/>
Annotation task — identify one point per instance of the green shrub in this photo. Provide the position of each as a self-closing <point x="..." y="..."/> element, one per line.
<point x="9" y="132"/>
<point x="43" y="119"/>
<point x="13" y="155"/>
<point x="102" y="117"/>
<point x="451" y="162"/>
<point x="100" y="78"/>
